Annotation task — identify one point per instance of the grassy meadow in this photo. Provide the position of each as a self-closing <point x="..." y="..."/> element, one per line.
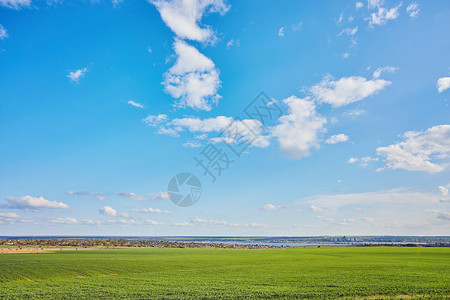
<point x="152" y="273"/>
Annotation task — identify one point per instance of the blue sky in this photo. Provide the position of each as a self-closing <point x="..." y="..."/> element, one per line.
<point x="102" y="103"/>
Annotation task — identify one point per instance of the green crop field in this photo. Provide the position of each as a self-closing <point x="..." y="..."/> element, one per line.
<point x="150" y="273"/>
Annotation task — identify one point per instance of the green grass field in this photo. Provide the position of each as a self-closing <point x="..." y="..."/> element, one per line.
<point x="145" y="273"/>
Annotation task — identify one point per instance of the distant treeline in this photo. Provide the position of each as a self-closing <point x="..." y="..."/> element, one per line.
<point x="113" y="243"/>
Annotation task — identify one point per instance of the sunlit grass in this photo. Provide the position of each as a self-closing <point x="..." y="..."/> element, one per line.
<point x="227" y="273"/>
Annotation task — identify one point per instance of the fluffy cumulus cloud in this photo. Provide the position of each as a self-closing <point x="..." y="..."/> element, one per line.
<point x="346" y="90"/>
<point x="250" y="130"/>
<point x="136" y="104"/>
<point x="75" y="76"/>
<point x="183" y="17"/>
<point x="108" y="211"/>
<point x="337" y="138"/>
<point x="297" y="131"/>
<point x="271" y="207"/>
<point x="3" y="33"/>
<point x="132" y="196"/>
<point x="315" y="208"/>
<point x="443" y="84"/>
<point x="443" y="190"/>
<point x="33" y="203"/>
<point x="194" y="79"/>
<point x="382" y="15"/>
<point x="281" y="31"/>
<point x="418" y="150"/>
<point x="15" y="4"/>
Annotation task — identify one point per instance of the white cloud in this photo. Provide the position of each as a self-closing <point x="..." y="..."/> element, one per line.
<point x="379" y="198"/>
<point x="373" y="3"/>
<point x="363" y="161"/>
<point x="359" y="5"/>
<point x="124" y="221"/>
<point x="378" y="71"/>
<point x="190" y="144"/>
<point x="340" y="19"/>
<point x="440" y="214"/>
<point x="224" y="223"/>
<point x="315" y="208"/>
<point x="413" y="9"/>
<point x="352" y="160"/>
<point x="135" y="104"/>
<point x="216" y="124"/>
<point x="194" y="79"/>
<point x="9" y="215"/>
<point x="443" y="84"/>
<point x="351" y="33"/>
<point x="383" y="15"/>
<point x="87" y="195"/>
<point x="250" y="129"/>
<point x="271" y="207"/>
<point x="346" y="90"/>
<point x="108" y="210"/>
<point x="132" y="196"/>
<point x="90" y="222"/>
<point x="345" y="55"/>
<point x="116" y="3"/>
<point x="443" y="190"/>
<point x="297" y="26"/>
<point x="68" y="220"/>
<point x="369" y="219"/>
<point x="76" y="75"/>
<point x="417" y="151"/>
<point x="281" y="31"/>
<point x="33" y="203"/>
<point x="232" y="43"/>
<point x="160" y="196"/>
<point x="155" y="120"/>
<point x="151" y="210"/>
<point x="338" y="138"/>
<point x="152" y="222"/>
<point x="183" y="17"/>
<point x="183" y="224"/>
<point x="297" y="131"/>
<point x="15" y="4"/>
<point x="3" y="33"/>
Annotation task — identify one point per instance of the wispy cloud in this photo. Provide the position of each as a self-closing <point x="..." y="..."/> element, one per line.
<point x="132" y="196"/>
<point x="3" y="33"/>
<point x="135" y="104"/>
<point x="15" y="4"/>
<point x="76" y="75"/>
<point x="151" y="210"/>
